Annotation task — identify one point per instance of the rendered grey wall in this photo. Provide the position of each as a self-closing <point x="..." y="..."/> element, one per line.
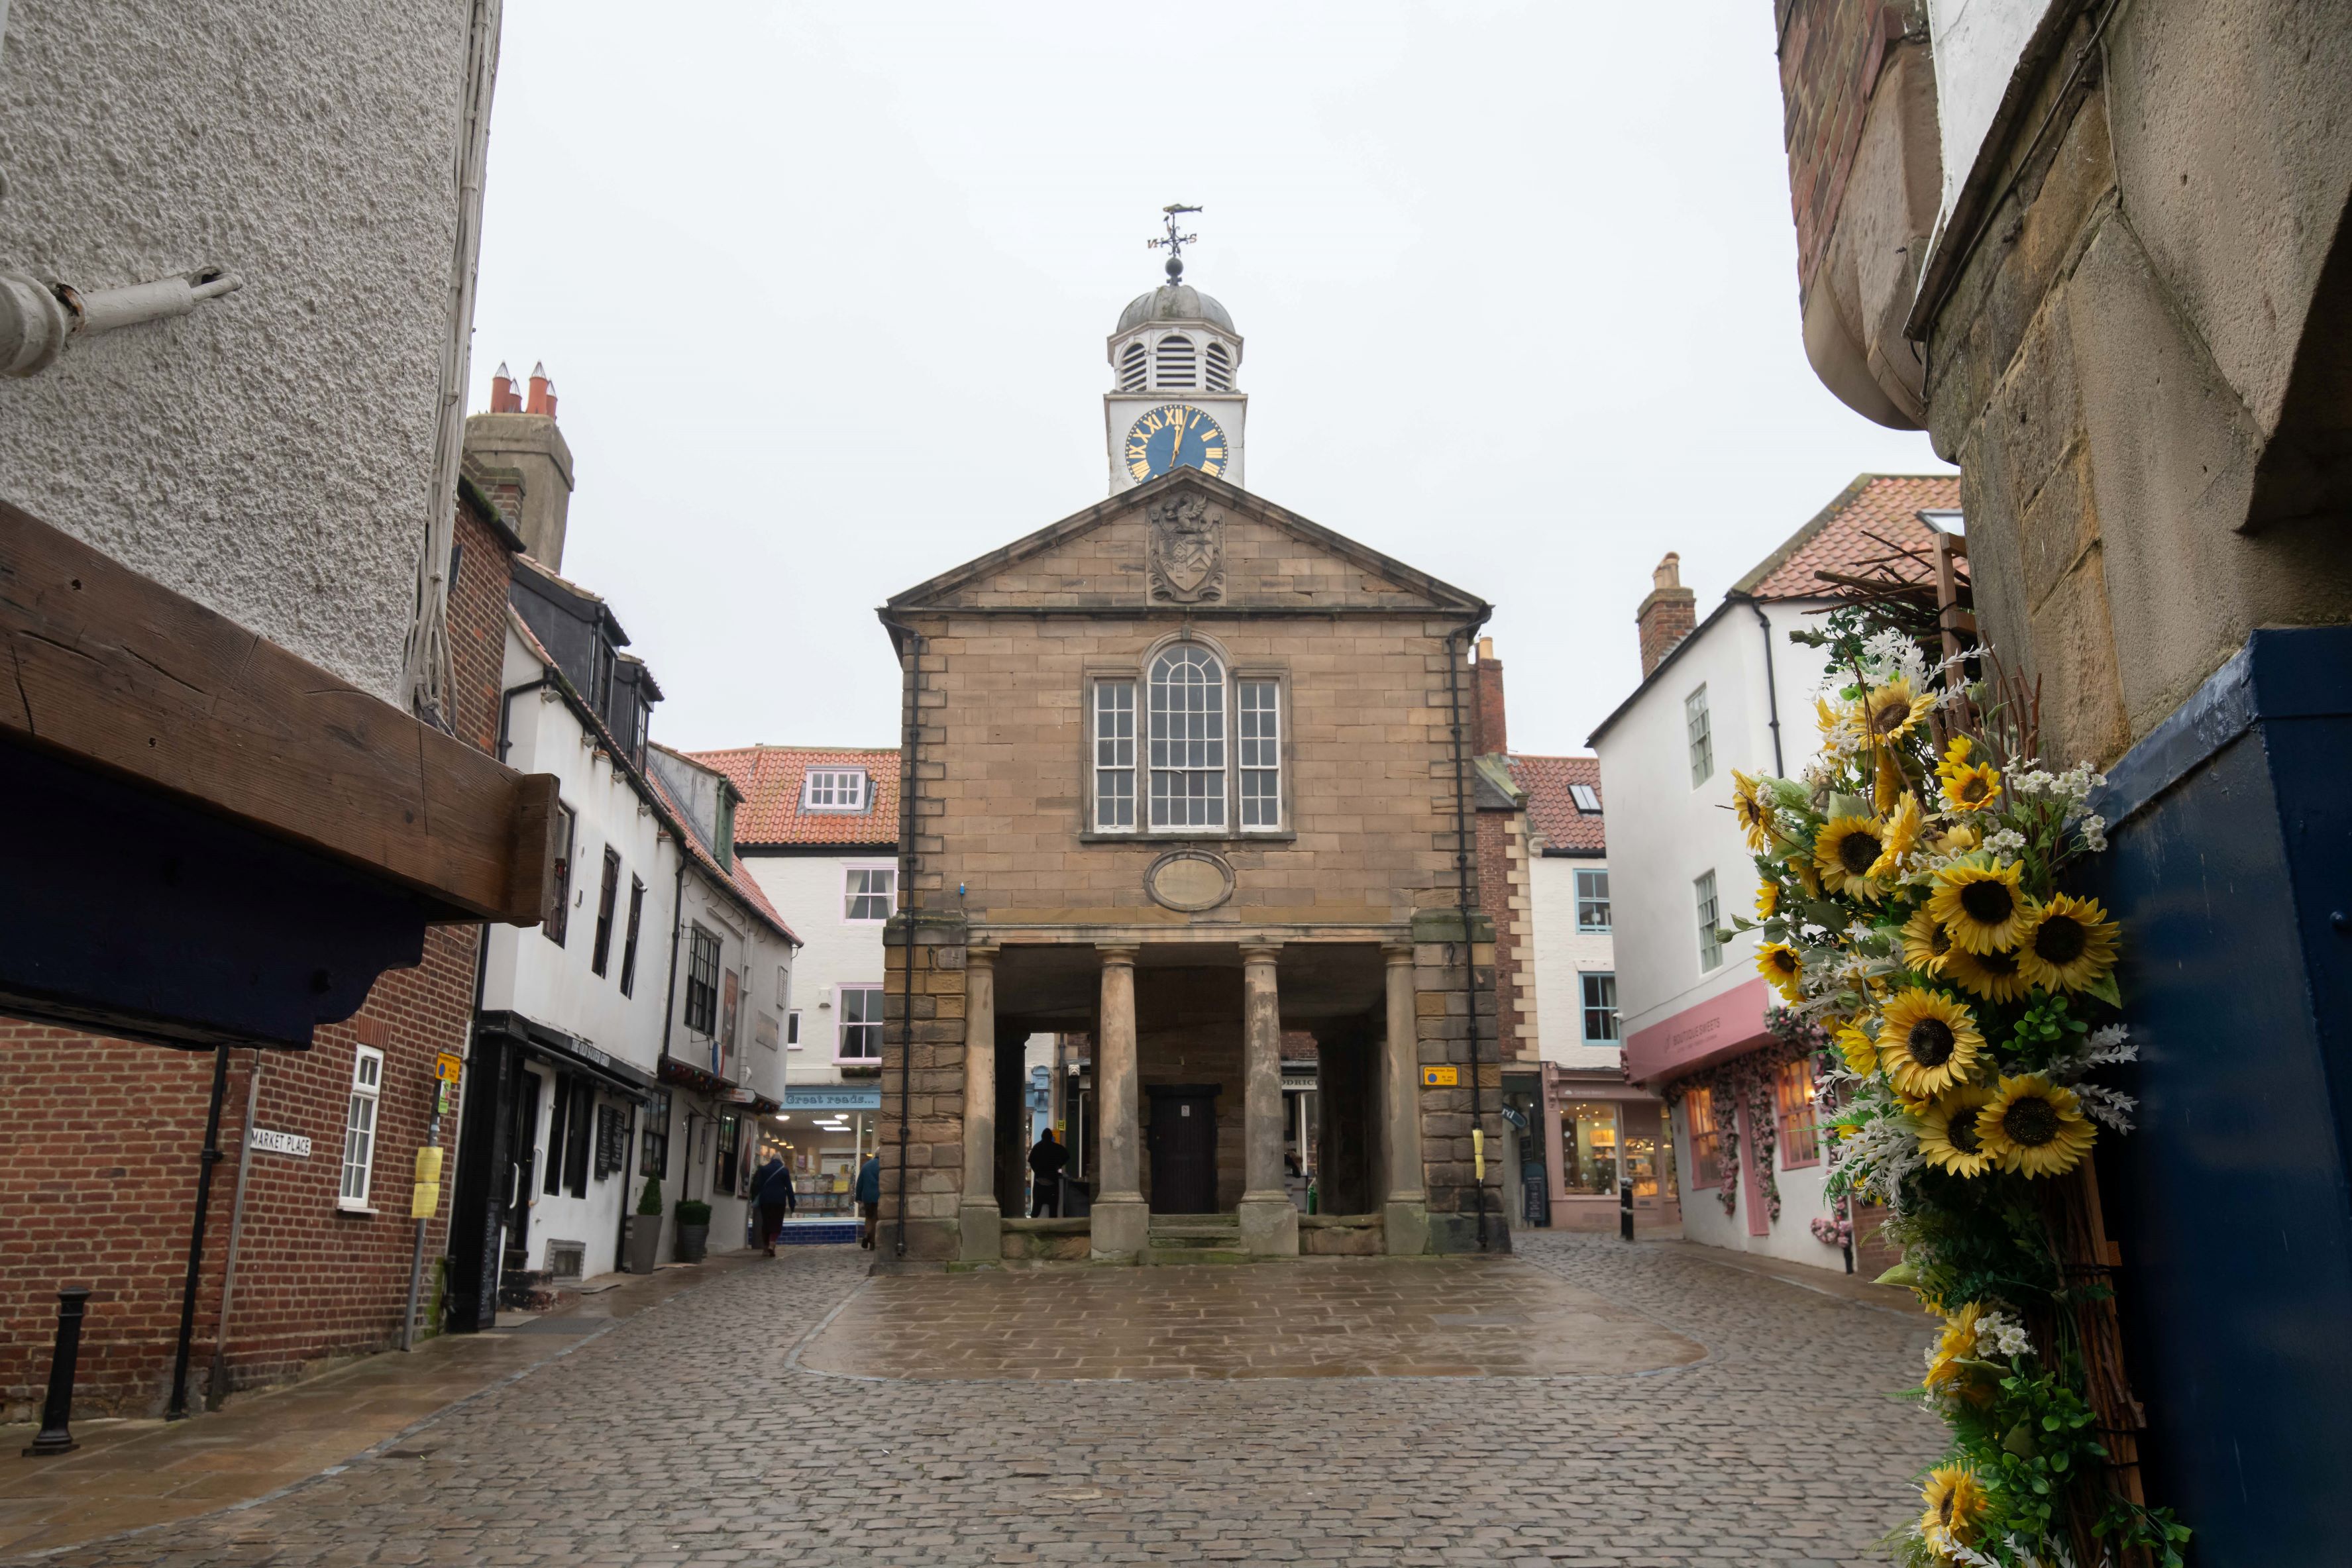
<point x="271" y="455"/>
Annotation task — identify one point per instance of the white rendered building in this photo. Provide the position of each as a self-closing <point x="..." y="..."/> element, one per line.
<point x="1731" y="693"/>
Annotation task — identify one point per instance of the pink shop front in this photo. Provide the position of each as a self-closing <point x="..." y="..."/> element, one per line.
<point x="1746" y="1142"/>
<point x="1599" y="1130"/>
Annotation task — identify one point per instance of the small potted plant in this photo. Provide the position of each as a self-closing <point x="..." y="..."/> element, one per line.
<point x="693" y="1230"/>
<point x="644" y="1230"/>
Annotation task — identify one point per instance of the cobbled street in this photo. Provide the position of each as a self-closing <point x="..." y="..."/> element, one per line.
<point x="692" y="1434"/>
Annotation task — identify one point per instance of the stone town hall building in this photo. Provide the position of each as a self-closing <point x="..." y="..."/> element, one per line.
<point x="1189" y="771"/>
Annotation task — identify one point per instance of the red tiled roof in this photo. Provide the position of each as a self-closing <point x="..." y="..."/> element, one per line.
<point x="736" y="878"/>
<point x="1552" y="809"/>
<point x="1840" y="537"/>
<point x="768" y="778"/>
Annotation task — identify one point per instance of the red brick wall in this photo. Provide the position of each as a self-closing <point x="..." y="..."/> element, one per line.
<point x="1494" y="903"/>
<point x="102" y="1139"/>
<point x="1831" y="51"/>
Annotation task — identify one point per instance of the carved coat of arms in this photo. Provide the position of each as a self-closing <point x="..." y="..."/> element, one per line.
<point x="1187" y="551"/>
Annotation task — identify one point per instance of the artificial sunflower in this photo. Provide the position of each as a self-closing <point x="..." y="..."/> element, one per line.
<point x="1981" y="905"/>
<point x="1955" y="758"/>
<point x="1768" y="900"/>
<point x="1956" y="1500"/>
<point x="1889" y="712"/>
<point x="1995" y="977"/>
<point x="1928" y="1042"/>
<point x="1861" y="1051"/>
<point x="1971" y="789"/>
<point x="1751" y="809"/>
<point x="2067" y="943"/>
<point x="1948" y="1132"/>
<point x="1845" y="850"/>
<point x="1807" y="877"/>
<point x="1926" y="942"/>
<point x="1780" y="963"/>
<point x="1957" y="841"/>
<point x="1946" y="1364"/>
<point x="2032" y="1127"/>
<point x="1900" y="835"/>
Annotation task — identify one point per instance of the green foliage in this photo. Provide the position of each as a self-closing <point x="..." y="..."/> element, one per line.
<point x="1976" y="1240"/>
<point x="649" y="1202"/>
<point x="2044" y="1030"/>
<point x="693" y="1211"/>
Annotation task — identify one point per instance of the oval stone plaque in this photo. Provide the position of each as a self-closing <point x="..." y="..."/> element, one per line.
<point x="1189" y="880"/>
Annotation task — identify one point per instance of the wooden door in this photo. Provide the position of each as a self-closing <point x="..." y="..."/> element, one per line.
<point x="1183" y="1140"/>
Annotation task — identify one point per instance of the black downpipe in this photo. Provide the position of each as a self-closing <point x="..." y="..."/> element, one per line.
<point x="1771" y="690"/>
<point x="1462" y="866"/>
<point x="211" y="1157"/>
<point x="506" y="711"/>
<point x="677" y="926"/>
<point x="912" y="742"/>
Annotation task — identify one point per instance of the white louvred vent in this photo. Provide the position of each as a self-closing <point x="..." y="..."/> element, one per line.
<point x="1131" y="368"/>
<point x="1178" y="365"/>
<point x="1221" y="367"/>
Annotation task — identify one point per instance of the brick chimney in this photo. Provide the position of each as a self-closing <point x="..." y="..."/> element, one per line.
<point x="1667" y="615"/>
<point x="515" y="451"/>
<point x="1489" y="734"/>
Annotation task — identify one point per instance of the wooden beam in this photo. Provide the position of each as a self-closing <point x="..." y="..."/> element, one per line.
<point x="111" y="670"/>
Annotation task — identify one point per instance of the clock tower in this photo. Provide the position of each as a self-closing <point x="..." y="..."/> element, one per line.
<point x="1174" y="360"/>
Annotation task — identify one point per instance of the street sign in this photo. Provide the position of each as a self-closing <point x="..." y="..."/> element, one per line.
<point x="448" y="1068"/>
<point x="1440" y="1077"/>
<point x="270" y="1143"/>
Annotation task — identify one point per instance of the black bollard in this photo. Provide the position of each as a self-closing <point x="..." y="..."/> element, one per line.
<point x="55" y="1436"/>
<point x="1625" y="1210"/>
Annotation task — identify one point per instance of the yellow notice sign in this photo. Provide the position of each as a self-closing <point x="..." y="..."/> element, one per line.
<point x="428" y="1162"/>
<point x="1440" y="1077"/>
<point x="424" y="1200"/>
<point x="448" y="1068"/>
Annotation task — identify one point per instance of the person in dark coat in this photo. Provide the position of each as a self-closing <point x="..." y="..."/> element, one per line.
<point x="1046" y="1159"/>
<point x="771" y="1189"/>
<point x="869" y="1198"/>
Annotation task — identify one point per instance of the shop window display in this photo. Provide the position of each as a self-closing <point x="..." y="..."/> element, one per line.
<point x="1589" y="1146"/>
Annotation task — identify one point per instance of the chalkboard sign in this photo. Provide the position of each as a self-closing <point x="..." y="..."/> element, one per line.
<point x="612" y="1140"/>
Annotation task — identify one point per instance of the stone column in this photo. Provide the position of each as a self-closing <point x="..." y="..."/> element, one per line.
<point x="977" y="1217"/>
<point x="1122" y="1227"/>
<point x="1406" y="1212"/>
<point x="1269" y="1221"/>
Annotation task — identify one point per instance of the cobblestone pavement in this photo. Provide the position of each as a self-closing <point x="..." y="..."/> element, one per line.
<point x="1321" y="1317"/>
<point x="685" y="1435"/>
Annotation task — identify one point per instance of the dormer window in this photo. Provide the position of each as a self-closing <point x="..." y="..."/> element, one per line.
<point x="1178" y="363"/>
<point x="837" y="789"/>
<point x="1131" y="368"/>
<point x="1221" y="367"/>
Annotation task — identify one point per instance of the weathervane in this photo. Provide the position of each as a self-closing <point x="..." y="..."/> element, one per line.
<point x="1175" y="242"/>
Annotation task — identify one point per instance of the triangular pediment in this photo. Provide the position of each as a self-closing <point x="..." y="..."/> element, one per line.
<point x="1187" y="542"/>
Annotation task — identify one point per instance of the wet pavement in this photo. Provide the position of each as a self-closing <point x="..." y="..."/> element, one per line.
<point x="690" y="1434"/>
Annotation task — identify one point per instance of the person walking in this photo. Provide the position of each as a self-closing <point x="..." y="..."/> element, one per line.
<point x="771" y="1189"/>
<point x="1046" y="1159"/>
<point x="869" y="1198"/>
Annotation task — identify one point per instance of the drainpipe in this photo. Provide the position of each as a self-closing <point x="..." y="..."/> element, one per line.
<point x="207" y="1160"/>
<point x="911" y="740"/>
<point x="1772" y="689"/>
<point x="506" y="710"/>
<point x="39" y="319"/>
<point x="216" y="1384"/>
<point x="1462" y="866"/>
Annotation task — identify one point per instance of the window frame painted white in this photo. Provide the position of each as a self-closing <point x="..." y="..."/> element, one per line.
<point x="865" y="792"/>
<point x="842" y="1022"/>
<point x="1698" y="733"/>
<point x="1583" y="899"/>
<point x="1708" y="895"/>
<point x="852" y="869"/>
<point x="366" y="1090"/>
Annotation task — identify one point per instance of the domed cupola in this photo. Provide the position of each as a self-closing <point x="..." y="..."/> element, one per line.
<point x="1174" y="357"/>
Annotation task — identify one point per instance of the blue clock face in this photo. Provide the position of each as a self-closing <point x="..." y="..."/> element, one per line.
<point x="1175" y="435"/>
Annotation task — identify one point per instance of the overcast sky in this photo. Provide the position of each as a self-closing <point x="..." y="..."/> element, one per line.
<point x="825" y="291"/>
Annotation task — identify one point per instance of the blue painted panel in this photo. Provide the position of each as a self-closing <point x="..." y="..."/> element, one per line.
<point x="124" y="911"/>
<point x="2231" y="1204"/>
